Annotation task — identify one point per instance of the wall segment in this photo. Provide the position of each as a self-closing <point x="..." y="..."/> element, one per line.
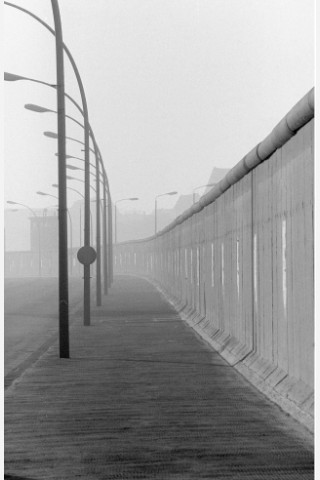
<point x="239" y="264"/>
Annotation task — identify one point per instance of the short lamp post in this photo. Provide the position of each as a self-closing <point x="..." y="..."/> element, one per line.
<point x="156" y="205"/>
<point x="197" y="188"/>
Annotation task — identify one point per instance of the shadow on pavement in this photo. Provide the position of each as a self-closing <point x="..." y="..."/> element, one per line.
<point x="14" y="477"/>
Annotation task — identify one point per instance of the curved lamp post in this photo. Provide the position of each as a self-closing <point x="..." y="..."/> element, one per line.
<point x="108" y="257"/>
<point x="155" y="207"/>
<point x="60" y="47"/>
<point x="108" y="263"/>
<point x="63" y="245"/>
<point x="78" y="158"/>
<point x="44" y="194"/>
<point x="72" y="167"/>
<point x="197" y="188"/>
<point x="40" y="109"/>
<point x="115" y="214"/>
<point x="38" y="227"/>
<point x="98" y="230"/>
<point x="84" y="111"/>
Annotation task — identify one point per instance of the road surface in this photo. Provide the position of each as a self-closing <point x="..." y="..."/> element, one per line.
<point x="31" y="319"/>
<point x="143" y="397"/>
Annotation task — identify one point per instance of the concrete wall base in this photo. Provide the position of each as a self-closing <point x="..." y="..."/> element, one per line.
<point x="290" y="394"/>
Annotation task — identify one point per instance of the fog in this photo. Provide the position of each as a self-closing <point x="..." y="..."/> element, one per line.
<point x="178" y="91"/>
<point x="174" y="89"/>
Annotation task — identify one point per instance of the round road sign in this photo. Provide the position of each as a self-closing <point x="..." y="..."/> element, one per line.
<point x="86" y="255"/>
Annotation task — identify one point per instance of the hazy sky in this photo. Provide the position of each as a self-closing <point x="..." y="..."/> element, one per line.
<point x="174" y="88"/>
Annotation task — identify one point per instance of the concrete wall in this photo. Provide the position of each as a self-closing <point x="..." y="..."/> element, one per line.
<point x="239" y="264"/>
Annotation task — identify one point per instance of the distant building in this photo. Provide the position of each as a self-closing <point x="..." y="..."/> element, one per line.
<point x="184" y="202"/>
<point x="17" y="229"/>
<point x="136" y="225"/>
<point x="218" y="174"/>
<point x="44" y="230"/>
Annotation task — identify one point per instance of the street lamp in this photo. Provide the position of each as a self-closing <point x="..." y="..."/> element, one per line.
<point x="44" y="194"/>
<point x="55" y="135"/>
<point x="62" y="181"/>
<point x="108" y="249"/>
<point x="108" y="244"/>
<point x="12" y="77"/>
<point x="87" y="200"/>
<point x="73" y="167"/>
<point x="115" y="214"/>
<point x="40" y="109"/>
<point x="155" y="207"/>
<point x="78" y="158"/>
<point x="59" y="46"/>
<point x="38" y="227"/>
<point x="197" y="188"/>
<point x="63" y="245"/>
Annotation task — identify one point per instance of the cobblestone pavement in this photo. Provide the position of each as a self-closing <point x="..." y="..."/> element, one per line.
<point x="142" y="397"/>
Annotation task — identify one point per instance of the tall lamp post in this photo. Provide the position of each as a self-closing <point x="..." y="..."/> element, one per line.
<point x="155" y="207"/>
<point x="63" y="243"/>
<point x="38" y="227"/>
<point x="63" y="266"/>
<point x="197" y="188"/>
<point x="62" y="181"/>
<point x="115" y="214"/>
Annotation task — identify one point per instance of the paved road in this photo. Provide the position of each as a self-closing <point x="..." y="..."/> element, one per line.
<point x="143" y="397"/>
<point x="31" y="318"/>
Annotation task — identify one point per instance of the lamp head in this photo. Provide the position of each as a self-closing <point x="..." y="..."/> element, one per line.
<point x="36" y="108"/>
<point x="50" y="134"/>
<point x="67" y="156"/>
<point x="72" y="167"/>
<point x="11" y="77"/>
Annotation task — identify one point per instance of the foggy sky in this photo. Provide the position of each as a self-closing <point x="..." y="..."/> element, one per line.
<point x="174" y="88"/>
